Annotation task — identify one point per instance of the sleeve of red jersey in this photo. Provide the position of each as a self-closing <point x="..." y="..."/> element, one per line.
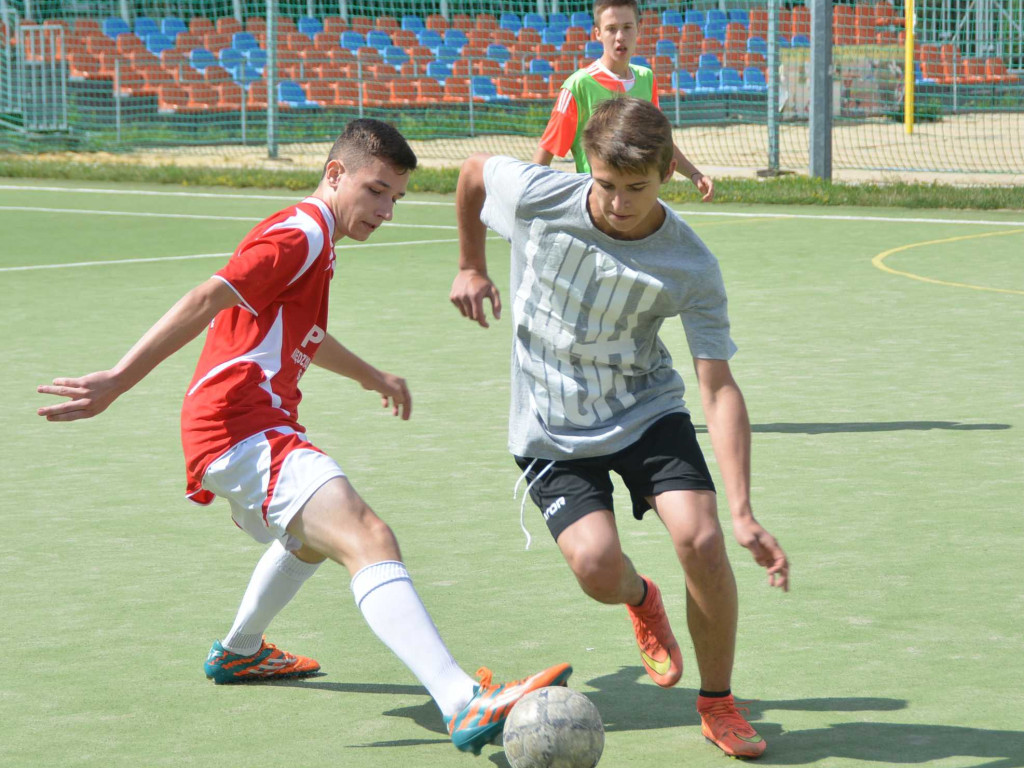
<point x="561" y="131"/>
<point x="654" y="92"/>
<point x="264" y="267"/>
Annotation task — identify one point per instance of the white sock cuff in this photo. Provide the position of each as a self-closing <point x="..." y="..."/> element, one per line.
<point x="288" y="564"/>
<point x="377" y="575"/>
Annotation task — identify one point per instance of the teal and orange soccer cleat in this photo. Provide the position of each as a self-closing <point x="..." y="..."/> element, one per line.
<point x="723" y="724"/>
<point x="481" y="721"/>
<point x="268" y="663"/>
<point x="659" y="650"/>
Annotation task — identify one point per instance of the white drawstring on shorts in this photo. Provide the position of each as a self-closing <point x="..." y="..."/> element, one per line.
<point x="526" y="494"/>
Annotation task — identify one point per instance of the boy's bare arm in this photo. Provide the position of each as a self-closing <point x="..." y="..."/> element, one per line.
<point x="704" y="184"/>
<point x="334" y="356"/>
<point x="91" y="394"/>
<point x="472" y="285"/>
<point x="542" y="156"/>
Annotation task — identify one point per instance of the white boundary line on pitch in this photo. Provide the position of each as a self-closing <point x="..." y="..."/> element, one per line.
<point x="687" y="212"/>
<point x="190" y="257"/>
<point x="203" y="216"/>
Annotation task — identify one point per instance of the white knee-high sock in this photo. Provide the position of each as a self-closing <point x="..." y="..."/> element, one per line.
<point x="391" y="606"/>
<point x="276" y="580"/>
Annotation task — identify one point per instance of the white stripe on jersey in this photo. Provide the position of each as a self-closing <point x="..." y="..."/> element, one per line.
<point x="314" y="238"/>
<point x="565" y="99"/>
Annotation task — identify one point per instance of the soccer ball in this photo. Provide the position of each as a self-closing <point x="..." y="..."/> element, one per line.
<point x="554" y="727"/>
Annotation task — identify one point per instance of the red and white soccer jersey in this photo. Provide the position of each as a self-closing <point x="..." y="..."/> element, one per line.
<point x="247" y="378"/>
<point x="560" y="133"/>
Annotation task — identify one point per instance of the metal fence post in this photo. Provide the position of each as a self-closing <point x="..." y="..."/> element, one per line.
<point x="773" y="87"/>
<point x="269" y="73"/>
<point x="821" y="90"/>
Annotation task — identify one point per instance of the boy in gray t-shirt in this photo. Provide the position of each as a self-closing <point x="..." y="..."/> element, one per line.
<point x="598" y="263"/>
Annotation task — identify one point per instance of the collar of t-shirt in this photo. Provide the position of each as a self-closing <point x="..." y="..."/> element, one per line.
<point x="627" y="82"/>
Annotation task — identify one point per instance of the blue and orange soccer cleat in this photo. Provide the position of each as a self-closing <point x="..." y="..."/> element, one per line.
<point x="268" y="663"/>
<point x="723" y="724"/>
<point x="481" y="721"/>
<point x="659" y="650"/>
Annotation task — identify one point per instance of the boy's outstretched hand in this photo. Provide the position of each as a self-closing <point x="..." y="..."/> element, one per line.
<point x="469" y="290"/>
<point x="88" y="396"/>
<point x="766" y="551"/>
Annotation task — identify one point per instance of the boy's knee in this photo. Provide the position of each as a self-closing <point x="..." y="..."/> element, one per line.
<point x="703" y="550"/>
<point x="599" y="573"/>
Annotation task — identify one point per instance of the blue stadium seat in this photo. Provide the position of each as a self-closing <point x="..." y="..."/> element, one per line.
<point x="510" y="21"/>
<point x="498" y="52"/>
<point x="757" y="44"/>
<point x="439" y="70"/>
<point x="412" y="23"/>
<point x="784" y="42"/>
<point x="707" y="81"/>
<point x="593" y="49"/>
<point x="753" y="80"/>
<point x="484" y="88"/>
<point x="378" y="38"/>
<point x="716" y="29"/>
<point x="455" y="38"/>
<point x="581" y="19"/>
<point x="200" y="58"/>
<point x="729" y="80"/>
<point x="640" y="61"/>
<point x="293" y="95"/>
<point x="243" y="41"/>
<point x="114" y="26"/>
<point x="800" y="41"/>
<point x="158" y="42"/>
<point x="145" y="26"/>
<point x="665" y="47"/>
<point x="394" y="55"/>
<point x="709" y="61"/>
<point x="534" y="21"/>
<point x="692" y="16"/>
<point x="256" y="58"/>
<point x="739" y="16"/>
<point x="310" y="26"/>
<point x="558" y="19"/>
<point x="672" y="18"/>
<point x="919" y="77"/>
<point x="173" y="26"/>
<point x="352" y="40"/>
<point x="447" y="53"/>
<point x="430" y="38"/>
<point x="540" y="67"/>
<point x="553" y="36"/>
<point x="715" y="16"/>
<point x="682" y="80"/>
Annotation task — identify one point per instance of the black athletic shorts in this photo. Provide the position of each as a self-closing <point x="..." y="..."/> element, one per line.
<point x="665" y="458"/>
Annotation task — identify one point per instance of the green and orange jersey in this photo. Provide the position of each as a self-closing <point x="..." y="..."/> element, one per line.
<point x="581" y="92"/>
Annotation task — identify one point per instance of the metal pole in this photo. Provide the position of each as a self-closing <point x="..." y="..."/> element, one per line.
<point x="908" y="69"/>
<point x="268" y="74"/>
<point x="773" y="86"/>
<point x="117" y="98"/>
<point x="821" y="90"/>
<point x="236" y="8"/>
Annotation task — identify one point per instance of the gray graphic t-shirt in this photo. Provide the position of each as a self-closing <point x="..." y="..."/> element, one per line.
<point x="589" y="373"/>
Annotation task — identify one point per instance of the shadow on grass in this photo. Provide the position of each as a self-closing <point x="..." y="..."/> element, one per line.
<point x="628" y="702"/>
<point x="825" y="428"/>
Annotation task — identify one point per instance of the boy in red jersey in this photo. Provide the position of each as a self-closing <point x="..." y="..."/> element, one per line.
<point x="266" y="314"/>
<point x="617" y="28"/>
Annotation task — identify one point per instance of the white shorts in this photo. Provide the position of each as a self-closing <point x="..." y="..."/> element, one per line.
<point x="267" y="478"/>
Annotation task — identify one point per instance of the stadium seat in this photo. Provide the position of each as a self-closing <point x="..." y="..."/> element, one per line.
<point x="716" y="29"/>
<point x="200" y="59"/>
<point x="800" y="41"/>
<point x="510" y="21"/>
<point x="693" y="16"/>
<point x="640" y="61"/>
<point x="439" y="70"/>
<point x="483" y="89"/>
<point x="172" y="26"/>
<point x="534" y="21"/>
<point x="996" y="71"/>
<point x="682" y="80"/>
<point x="757" y="45"/>
<point x="291" y="94"/>
<point x="376" y="94"/>
<point x="144" y="26"/>
<point x="256" y="58"/>
<point x="581" y="19"/>
<point x="412" y="22"/>
<point x="447" y="53"/>
<point x="310" y="26"/>
<point x="378" y="38"/>
<point x="759" y="22"/>
<point x="455" y="38"/>
<point x="666" y="48"/>
<point x="157" y="43"/>
<point x="553" y="36"/>
<point x="558" y="20"/>
<point x="430" y="38"/>
<point x="672" y="18"/>
<point x="707" y="81"/>
<point x="395" y="56"/>
<point x="115" y="26"/>
<point x="709" y="62"/>
<point x="386" y="22"/>
<point x="428" y="90"/>
<point x="593" y="49"/>
<point x="352" y="40"/>
<point x="498" y="52"/>
<point x="740" y="16"/>
<point x="753" y="80"/>
<point x="244" y="41"/>
<point x="456" y="90"/>
<point x="540" y="67"/>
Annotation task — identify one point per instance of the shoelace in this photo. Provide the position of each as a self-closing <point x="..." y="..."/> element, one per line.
<point x="644" y="631"/>
<point x="526" y="493"/>
<point x="730" y="715"/>
<point x="485" y="676"/>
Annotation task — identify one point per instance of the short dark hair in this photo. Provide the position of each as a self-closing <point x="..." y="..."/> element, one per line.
<point x="600" y="6"/>
<point x="365" y="138"/>
<point x="630" y="135"/>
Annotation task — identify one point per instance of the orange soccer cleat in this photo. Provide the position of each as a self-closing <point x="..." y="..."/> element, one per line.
<point x="723" y="725"/>
<point x="268" y="663"/>
<point x="659" y="650"/>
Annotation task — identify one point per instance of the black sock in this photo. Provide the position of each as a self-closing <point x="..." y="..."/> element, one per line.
<point x="645" y="594"/>
<point x="715" y="694"/>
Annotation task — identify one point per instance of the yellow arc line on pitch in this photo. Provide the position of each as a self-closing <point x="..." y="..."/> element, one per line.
<point x="878" y="260"/>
